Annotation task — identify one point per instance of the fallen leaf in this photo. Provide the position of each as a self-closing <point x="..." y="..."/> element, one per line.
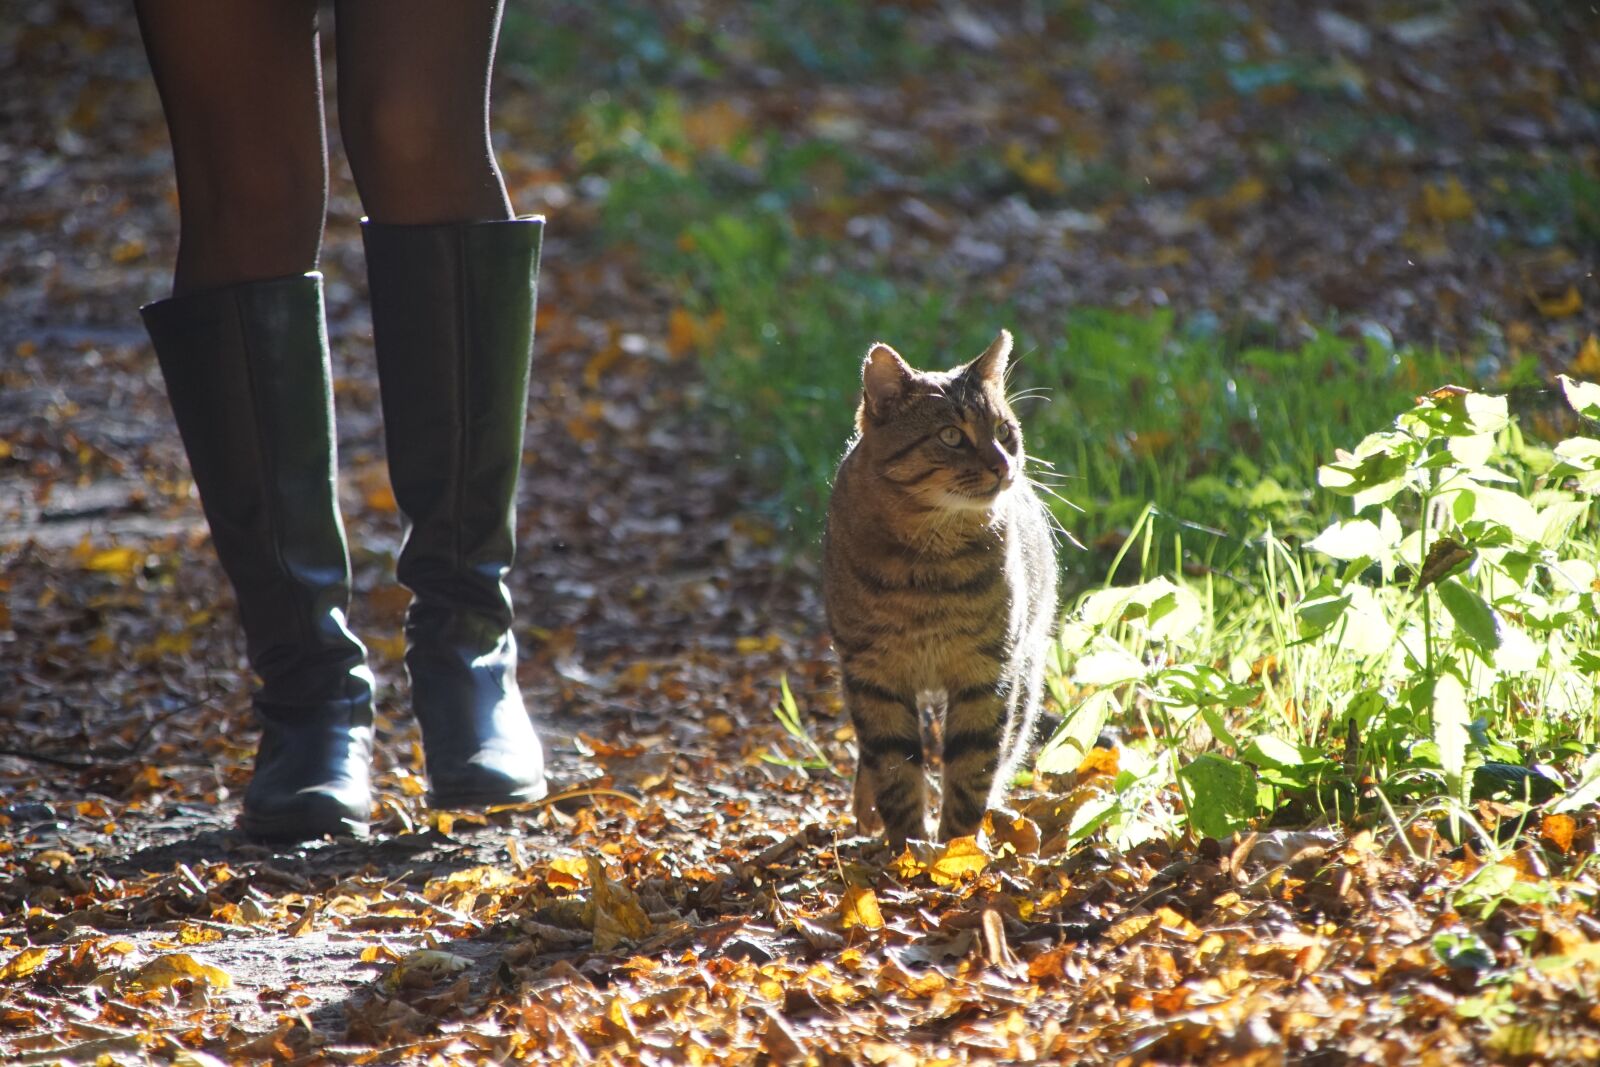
<point x="613" y="913"/>
<point x="859" y="907"/>
<point x="163" y="971"/>
<point x="1558" y="830"/>
<point x="23" y="963"/>
<point x="424" y="967"/>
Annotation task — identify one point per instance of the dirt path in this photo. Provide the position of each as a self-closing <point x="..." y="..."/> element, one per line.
<point x="699" y="904"/>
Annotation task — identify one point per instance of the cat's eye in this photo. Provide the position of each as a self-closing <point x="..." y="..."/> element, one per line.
<point x="952" y="436"/>
<point x="1003" y="433"/>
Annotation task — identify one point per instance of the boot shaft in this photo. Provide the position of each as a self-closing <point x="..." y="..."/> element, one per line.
<point x="247" y="375"/>
<point x="452" y="316"/>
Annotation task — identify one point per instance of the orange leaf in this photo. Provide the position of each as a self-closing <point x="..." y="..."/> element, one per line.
<point x="1557" y="830"/>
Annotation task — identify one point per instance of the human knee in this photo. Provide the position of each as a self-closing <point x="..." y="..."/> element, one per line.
<point x="400" y="130"/>
<point x="418" y="162"/>
<point x="246" y="220"/>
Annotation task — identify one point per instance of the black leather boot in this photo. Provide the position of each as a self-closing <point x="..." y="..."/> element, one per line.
<point x="246" y="368"/>
<point x="452" y="316"/>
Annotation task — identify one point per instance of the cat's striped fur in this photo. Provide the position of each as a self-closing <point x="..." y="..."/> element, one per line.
<point x="940" y="584"/>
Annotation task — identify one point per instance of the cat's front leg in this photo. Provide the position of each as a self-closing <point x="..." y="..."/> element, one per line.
<point x="889" y="761"/>
<point x="974" y="727"/>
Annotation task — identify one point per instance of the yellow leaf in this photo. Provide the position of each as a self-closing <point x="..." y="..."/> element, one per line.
<point x="23" y="963"/>
<point x="163" y="971"/>
<point x="1447" y="201"/>
<point x="567" y="872"/>
<point x="1560" y="307"/>
<point x="859" y="907"/>
<point x="192" y="934"/>
<point x="484" y="877"/>
<point x="1037" y="171"/>
<point x="959" y="858"/>
<point x="1587" y="365"/>
<point x="127" y="251"/>
<point x="123" y="561"/>
<point x="1129" y="928"/>
<point x="1178" y="925"/>
<point x="1098" y="761"/>
<point x="379" y="954"/>
<point x="1245" y="193"/>
<point x="750" y="645"/>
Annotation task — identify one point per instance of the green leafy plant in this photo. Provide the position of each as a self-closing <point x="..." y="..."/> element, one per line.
<point x="1437" y="644"/>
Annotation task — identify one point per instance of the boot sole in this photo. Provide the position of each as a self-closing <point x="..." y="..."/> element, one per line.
<point x="488" y="799"/>
<point x="301" y="827"/>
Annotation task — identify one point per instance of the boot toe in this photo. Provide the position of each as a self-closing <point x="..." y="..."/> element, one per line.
<point x="303" y="816"/>
<point x="479" y="784"/>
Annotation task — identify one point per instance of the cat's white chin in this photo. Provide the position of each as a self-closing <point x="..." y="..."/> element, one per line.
<point x="962" y="502"/>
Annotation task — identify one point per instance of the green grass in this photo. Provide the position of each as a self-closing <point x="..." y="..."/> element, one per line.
<point x="1219" y="433"/>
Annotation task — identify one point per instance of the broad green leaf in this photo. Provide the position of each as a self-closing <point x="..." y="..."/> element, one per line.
<point x="1581" y="452"/>
<point x="1105" y="606"/>
<point x="1367" y="630"/>
<point x="1572" y="575"/>
<point x="1354" y="539"/>
<point x="1472" y="614"/>
<point x="1518" y="653"/>
<point x="1373" y="474"/>
<point x="1486" y="415"/>
<point x="1451" y="717"/>
<point x="1163" y="608"/>
<point x="1074" y="636"/>
<point x="1578" y="458"/>
<point x="1196" y="685"/>
<point x="1222" y="794"/>
<point x="1176" y="615"/>
<point x="1557" y="520"/>
<point x="1094" y="813"/>
<point x="1077" y="733"/>
<point x="1471" y="451"/>
<point x="1583" y="396"/>
<point x="1272" y="751"/>
<point x="1319" y="613"/>
<point x="1511" y="510"/>
<point x="1109" y="664"/>
<point x="1454" y="412"/>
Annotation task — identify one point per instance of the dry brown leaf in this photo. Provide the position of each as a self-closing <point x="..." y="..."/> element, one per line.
<point x="613" y="912"/>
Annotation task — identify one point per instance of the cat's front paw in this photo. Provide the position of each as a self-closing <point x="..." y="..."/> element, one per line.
<point x="865" y="808"/>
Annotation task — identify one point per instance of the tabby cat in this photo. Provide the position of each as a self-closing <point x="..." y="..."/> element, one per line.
<point x="939" y="575"/>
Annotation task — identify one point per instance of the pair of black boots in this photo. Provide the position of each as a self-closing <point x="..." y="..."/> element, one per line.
<point x="247" y="372"/>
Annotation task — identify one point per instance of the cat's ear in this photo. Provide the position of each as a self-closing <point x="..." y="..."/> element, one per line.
<point x="991" y="366"/>
<point x="885" y="378"/>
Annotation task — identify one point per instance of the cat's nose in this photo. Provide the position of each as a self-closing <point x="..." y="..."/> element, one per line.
<point x="1000" y="466"/>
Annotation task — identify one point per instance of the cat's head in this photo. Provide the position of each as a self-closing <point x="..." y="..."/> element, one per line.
<point x="946" y="439"/>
